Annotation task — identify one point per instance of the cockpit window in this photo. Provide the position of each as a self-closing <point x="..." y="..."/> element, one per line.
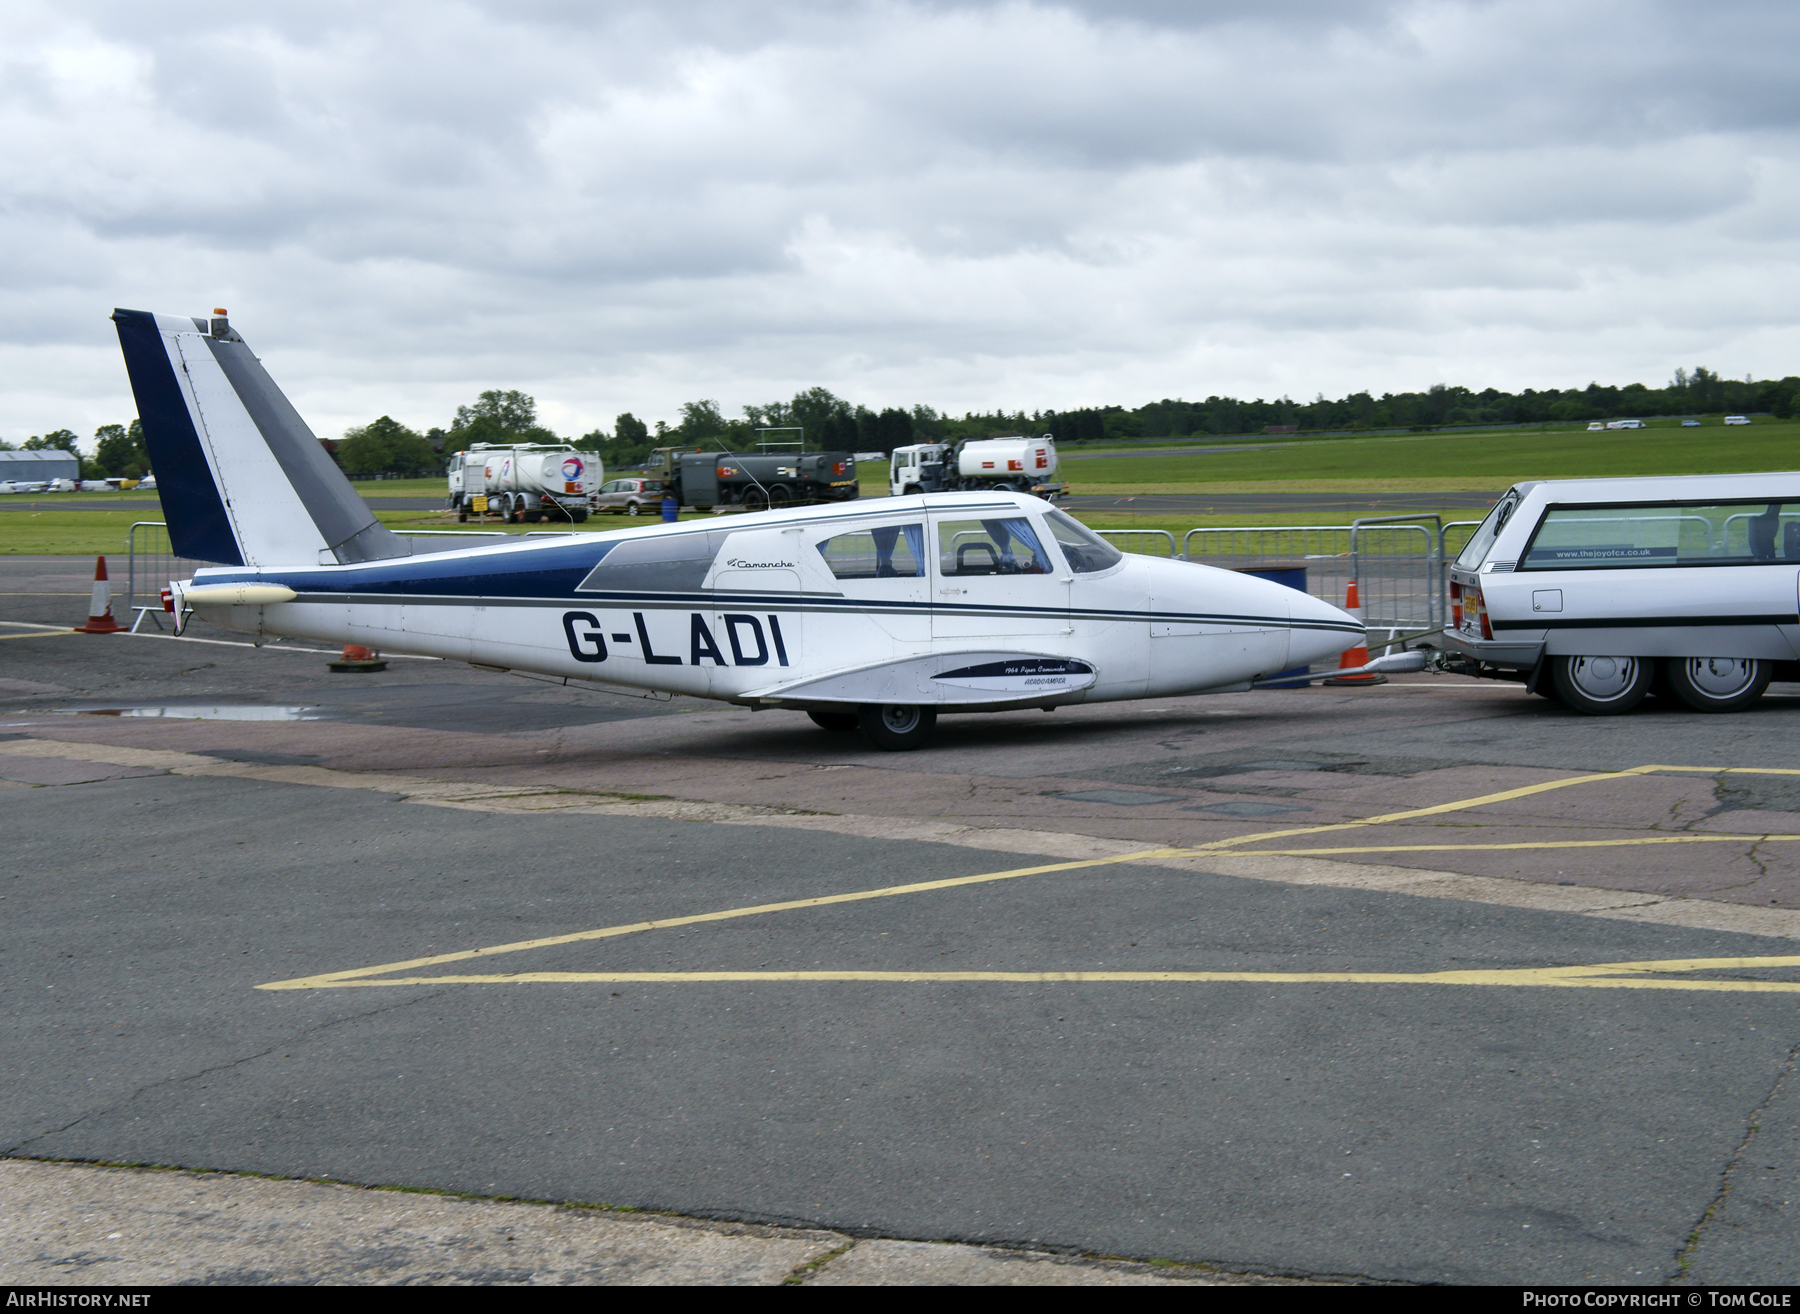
<point x="990" y="547"/>
<point x="1085" y="551"/>
<point x="1475" y="552"/>
<point x="887" y="552"/>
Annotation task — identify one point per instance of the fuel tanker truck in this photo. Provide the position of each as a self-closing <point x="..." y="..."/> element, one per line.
<point x="1005" y="465"/>
<point x="755" y="481"/>
<point x="524" y="483"/>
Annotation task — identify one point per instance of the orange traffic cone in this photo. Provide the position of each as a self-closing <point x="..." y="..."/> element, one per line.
<point x="358" y="658"/>
<point x="100" y="618"/>
<point x="1357" y="656"/>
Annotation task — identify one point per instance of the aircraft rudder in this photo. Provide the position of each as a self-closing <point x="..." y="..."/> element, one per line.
<point x="193" y="506"/>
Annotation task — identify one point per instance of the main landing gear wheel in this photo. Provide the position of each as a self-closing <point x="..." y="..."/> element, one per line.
<point x="834" y="720"/>
<point x="1601" y="686"/>
<point x="1716" y="684"/>
<point x="897" y="728"/>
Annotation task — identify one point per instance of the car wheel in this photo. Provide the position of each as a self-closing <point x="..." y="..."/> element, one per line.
<point x="1716" y="684"/>
<point x="897" y="728"/>
<point x="1602" y="686"/>
<point x="834" y="720"/>
<point x="632" y="509"/>
<point x="755" y="500"/>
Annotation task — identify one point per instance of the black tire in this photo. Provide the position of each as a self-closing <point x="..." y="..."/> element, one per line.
<point x="911" y="490"/>
<point x="1602" y="686"/>
<point x="839" y="721"/>
<point x="579" y="517"/>
<point x="897" y="728"/>
<point x="780" y="495"/>
<point x="754" y="500"/>
<point x="462" y="517"/>
<point x="631" y="509"/>
<point x="534" y="517"/>
<point x="1717" y="684"/>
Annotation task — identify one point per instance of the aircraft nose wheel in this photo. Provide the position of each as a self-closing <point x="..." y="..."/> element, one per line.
<point x="897" y="728"/>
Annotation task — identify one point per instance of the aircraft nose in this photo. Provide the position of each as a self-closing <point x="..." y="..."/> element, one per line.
<point x="1321" y="631"/>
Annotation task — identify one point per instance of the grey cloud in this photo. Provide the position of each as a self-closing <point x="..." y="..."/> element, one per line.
<point x="622" y="207"/>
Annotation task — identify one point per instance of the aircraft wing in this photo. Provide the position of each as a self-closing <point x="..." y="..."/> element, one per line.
<point x="943" y="679"/>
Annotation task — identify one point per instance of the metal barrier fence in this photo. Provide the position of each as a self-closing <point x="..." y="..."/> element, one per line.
<point x="1400" y="563"/>
<point x="1129" y="540"/>
<point x="150" y="563"/>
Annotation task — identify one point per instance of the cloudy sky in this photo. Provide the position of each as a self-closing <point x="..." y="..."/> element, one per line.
<point x="624" y="206"/>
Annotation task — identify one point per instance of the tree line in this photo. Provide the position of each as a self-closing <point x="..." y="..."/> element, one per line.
<point x="829" y="422"/>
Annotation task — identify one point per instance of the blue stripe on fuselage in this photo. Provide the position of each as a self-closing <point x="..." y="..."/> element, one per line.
<point x="540" y="572"/>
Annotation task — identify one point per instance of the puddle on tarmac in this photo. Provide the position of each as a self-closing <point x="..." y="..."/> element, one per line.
<point x="203" y="712"/>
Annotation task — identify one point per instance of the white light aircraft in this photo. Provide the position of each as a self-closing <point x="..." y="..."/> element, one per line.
<point x="871" y="614"/>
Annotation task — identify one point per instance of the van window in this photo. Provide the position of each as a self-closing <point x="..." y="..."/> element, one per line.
<point x="990" y="547"/>
<point x="888" y="552"/>
<point x="1476" y="549"/>
<point x="1708" y="534"/>
<point x="1085" y="551"/>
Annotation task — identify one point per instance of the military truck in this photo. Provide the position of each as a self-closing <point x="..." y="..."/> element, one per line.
<point x="755" y="481"/>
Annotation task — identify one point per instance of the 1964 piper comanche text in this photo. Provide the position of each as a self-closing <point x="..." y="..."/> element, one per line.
<point x="877" y="614"/>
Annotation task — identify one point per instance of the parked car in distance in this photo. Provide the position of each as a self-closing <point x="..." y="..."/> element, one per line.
<point x="1624" y="424"/>
<point x="1737" y="419"/>
<point x="629" y="497"/>
<point x="1596" y="427"/>
<point x="1690" y="424"/>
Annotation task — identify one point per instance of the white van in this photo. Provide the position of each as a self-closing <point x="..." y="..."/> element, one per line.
<point x="1625" y="424"/>
<point x="1605" y="590"/>
<point x="1737" y="419"/>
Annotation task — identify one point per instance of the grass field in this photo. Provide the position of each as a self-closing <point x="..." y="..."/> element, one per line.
<point x="1411" y="463"/>
<point x="91" y="533"/>
<point x="1450" y="462"/>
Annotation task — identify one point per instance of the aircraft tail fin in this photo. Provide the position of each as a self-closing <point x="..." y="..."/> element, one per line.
<point x="243" y="481"/>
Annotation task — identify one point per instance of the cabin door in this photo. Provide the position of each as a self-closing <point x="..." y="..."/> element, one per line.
<point x="994" y="582"/>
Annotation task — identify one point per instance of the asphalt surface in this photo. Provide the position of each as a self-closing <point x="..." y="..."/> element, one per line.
<point x="1415" y="1132"/>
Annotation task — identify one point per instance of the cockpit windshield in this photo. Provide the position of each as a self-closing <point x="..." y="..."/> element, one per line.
<point x="1086" y="552"/>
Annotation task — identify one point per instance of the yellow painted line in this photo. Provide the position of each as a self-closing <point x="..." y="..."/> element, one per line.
<point x="360" y="975"/>
<point x="1524" y="844"/>
<point x="1741" y="771"/>
<point x="42" y="634"/>
<point x="631" y="928"/>
<point x="1597" y="976"/>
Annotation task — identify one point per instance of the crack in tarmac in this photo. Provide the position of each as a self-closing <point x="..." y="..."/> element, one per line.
<point x="15" y="1150"/>
<point x="1684" y="1258"/>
